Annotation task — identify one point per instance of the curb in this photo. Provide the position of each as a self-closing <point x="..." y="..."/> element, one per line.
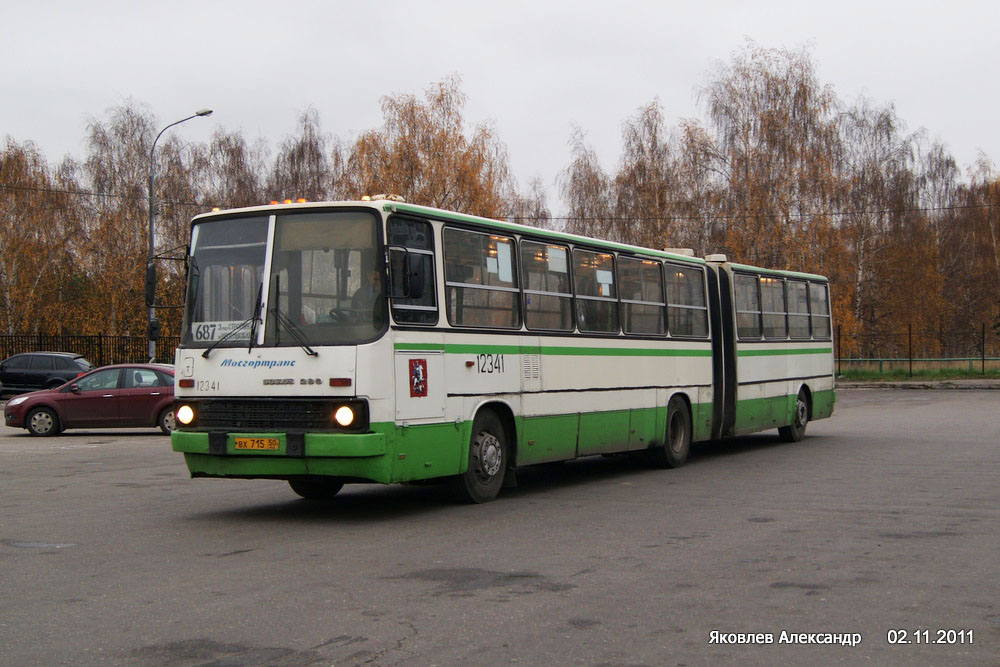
<point x="967" y="385"/>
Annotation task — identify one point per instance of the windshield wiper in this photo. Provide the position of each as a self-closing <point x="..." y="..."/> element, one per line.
<point x="256" y="316"/>
<point x="242" y="325"/>
<point x="282" y="320"/>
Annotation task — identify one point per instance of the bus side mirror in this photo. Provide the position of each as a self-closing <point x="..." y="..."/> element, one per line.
<point x="414" y="275"/>
<point x="406" y="274"/>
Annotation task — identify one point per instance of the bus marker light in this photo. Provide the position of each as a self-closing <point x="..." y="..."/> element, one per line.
<point x="470" y="364"/>
<point x="340" y="382"/>
<point x="186" y="383"/>
<point x="185" y="414"/>
<point x="344" y="415"/>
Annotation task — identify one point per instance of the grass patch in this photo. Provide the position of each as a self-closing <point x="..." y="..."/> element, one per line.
<point x="930" y="374"/>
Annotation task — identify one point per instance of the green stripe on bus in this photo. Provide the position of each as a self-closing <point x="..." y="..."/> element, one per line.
<point x="785" y="351"/>
<point x="552" y="350"/>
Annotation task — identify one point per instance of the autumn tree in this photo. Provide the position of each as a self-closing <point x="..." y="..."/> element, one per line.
<point x="424" y="153"/>
<point x="38" y="222"/>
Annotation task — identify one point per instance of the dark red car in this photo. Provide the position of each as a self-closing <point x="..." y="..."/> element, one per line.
<point x="124" y="395"/>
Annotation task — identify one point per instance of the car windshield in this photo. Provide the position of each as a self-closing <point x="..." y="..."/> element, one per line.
<point x="324" y="287"/>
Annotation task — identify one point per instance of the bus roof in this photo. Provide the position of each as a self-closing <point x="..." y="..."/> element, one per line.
<point x="477" y="221"/>
<point x="777" y="272"/>
<point x="513" y="227"/>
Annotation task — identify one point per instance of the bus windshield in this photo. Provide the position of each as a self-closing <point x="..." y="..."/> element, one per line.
<point x="325" y="285"/>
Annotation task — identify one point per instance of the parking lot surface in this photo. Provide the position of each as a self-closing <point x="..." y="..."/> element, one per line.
<point x="880" y="529"/>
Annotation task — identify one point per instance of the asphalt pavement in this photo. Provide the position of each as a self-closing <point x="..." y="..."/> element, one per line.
<point x="874" y="540"/>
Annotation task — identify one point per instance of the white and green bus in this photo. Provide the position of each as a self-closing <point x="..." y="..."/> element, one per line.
<point x="379" y="341"/>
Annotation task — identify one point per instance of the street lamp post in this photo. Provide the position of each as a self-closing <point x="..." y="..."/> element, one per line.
<point x="152" y="329"/>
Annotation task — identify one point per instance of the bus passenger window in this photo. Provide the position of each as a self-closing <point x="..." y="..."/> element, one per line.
<point x="747" y="306"/>
<point x="687" y="311"/>
<point x="798" y="309"/>
<point x="548" y="297"/>
<point x="772" y="294"/>
<point x="596" y="292"/>
<point x="642" y="296"/>
<point x="820" y="307"/>
<point x="480" y="282"/>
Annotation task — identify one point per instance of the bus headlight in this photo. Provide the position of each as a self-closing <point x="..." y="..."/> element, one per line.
<point x="344" y="415"/>
<point x="184" y="414"/>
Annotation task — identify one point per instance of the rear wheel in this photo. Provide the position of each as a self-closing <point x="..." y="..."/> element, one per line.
<point x="166" y="420"/>
<point x="797" y="429"/>
<point x="677" y="443"/>
<point x="316" y="488"/>
<point x="488" y="454"/>
<point x="43" y="422"/>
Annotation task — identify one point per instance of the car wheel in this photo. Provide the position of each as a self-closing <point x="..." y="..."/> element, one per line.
<point x="43" y="422"/>
<point x="166" y="420"/>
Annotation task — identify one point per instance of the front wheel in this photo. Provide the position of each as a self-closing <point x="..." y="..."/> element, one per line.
<point x="797" y="429"/>
<point x="316" y="488"/>
<point x="488" y="452"/>
<point x="43" y="422"/>
<point x="677" y="444"/>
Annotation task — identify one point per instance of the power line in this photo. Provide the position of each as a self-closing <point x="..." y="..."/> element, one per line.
<point x="87" y="193"/>
<point x="610" y="218"/>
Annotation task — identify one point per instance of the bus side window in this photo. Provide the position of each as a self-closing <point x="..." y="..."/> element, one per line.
<point x="417" y="238"/>
<point x="819" y="305"/>
<point x="641" y="283"/>
<point x="747" y="306"/>
<point x="548" y="297"/>
<point x="687" y="310"/>
<point x="798" y="308"/>
<point x="481" y="287"/>
<point x="772" y="294"/>
<point x="596" y="292"/>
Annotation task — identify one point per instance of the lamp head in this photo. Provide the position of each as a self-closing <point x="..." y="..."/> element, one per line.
<point x="203" y="112"/>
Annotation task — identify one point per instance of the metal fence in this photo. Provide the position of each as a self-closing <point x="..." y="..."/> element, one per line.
<point x="100" y="350"/>
<point x="973" y="350"/>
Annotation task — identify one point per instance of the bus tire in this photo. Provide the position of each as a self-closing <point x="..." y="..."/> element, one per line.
<point x="797" y="429"/>
<point x="316" y="488"/>
<point x="488" y="458"/>
<point x="677" y="441"/>
<point x="43" y="422"/>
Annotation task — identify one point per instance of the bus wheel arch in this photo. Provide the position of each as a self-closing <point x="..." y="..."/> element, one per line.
<point x="489" y="454"/>
<point x="677" y="434"/>
<point x="801" y="416"/>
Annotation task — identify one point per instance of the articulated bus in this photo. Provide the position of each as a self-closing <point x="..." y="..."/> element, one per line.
<point x="379" y="341"/>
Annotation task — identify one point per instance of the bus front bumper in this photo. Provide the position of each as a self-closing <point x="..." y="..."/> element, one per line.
<point x="350" y="455"/>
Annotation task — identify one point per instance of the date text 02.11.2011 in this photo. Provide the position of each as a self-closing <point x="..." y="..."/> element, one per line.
<point x="927" y="636"/>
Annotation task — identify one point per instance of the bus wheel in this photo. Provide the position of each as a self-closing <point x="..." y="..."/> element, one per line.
<point x="488" y="453"/>
<point x="797" y="429"/>
<point x="677" y="443"/>
<point x="316" y="488"/>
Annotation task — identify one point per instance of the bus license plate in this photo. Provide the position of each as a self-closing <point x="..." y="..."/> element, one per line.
<point x="258" y="444"/>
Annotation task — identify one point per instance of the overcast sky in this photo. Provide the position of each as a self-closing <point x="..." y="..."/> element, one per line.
<point x="533" y="68"/>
